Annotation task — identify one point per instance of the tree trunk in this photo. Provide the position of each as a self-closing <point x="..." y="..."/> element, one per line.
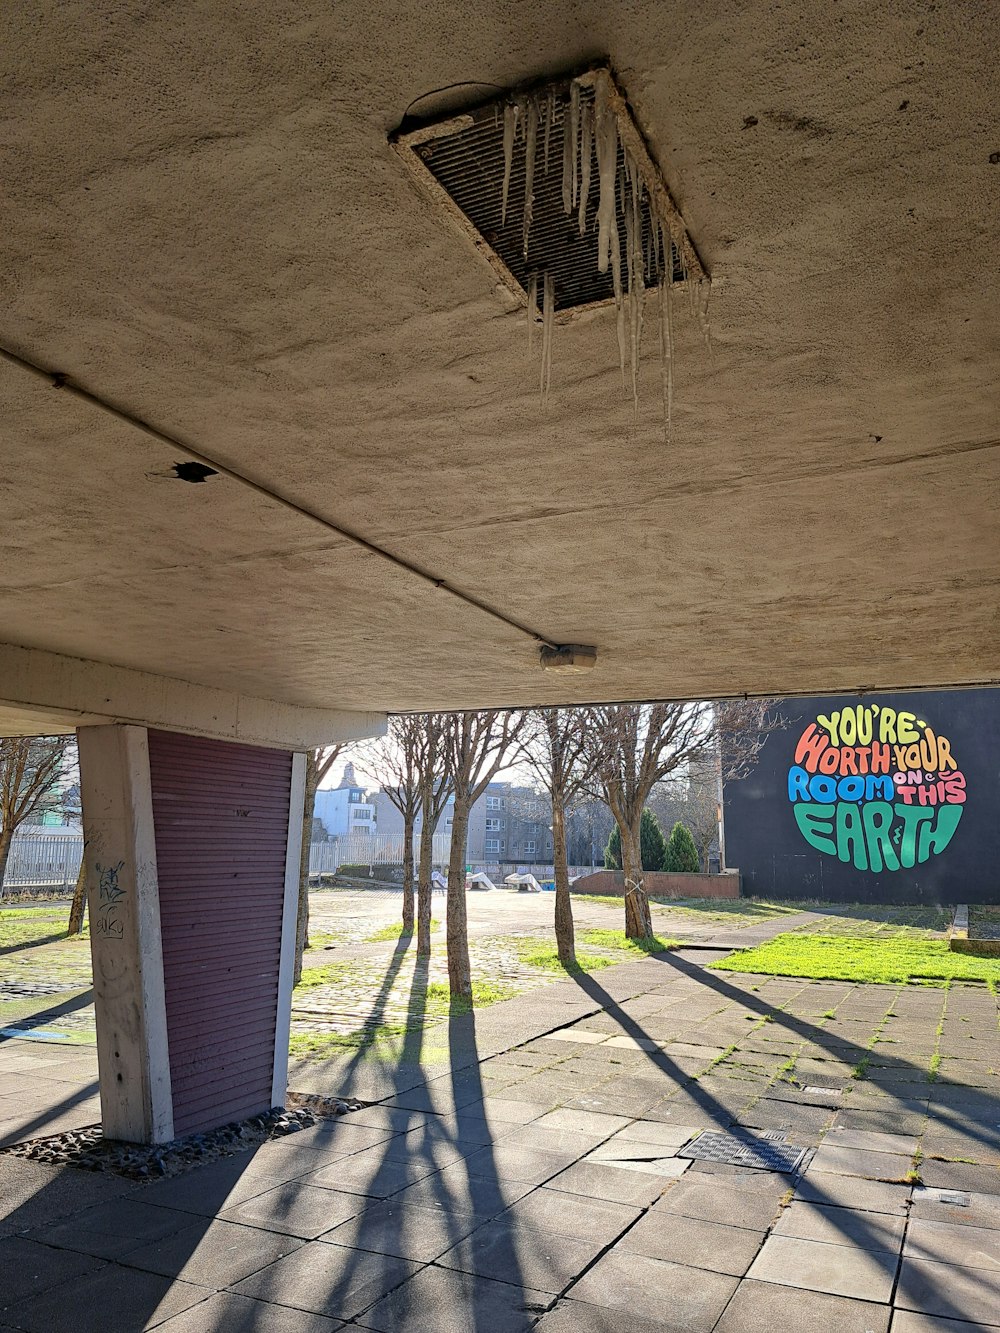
<point x="302" y="913"/>
<point x="408" y="822"/>
<point x="459" y="967"/>
<point x="424" y="885"/>
<point x="79" y="901"/>
<point x="5" y="838"/>
<point x="638" y="921"/>
<point x="565" y="942"/>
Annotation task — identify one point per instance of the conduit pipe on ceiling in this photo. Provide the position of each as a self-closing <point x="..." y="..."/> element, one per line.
<point x="62" y="382"/>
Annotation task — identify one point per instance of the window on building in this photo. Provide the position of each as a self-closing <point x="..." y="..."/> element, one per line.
<point x="494" y="803"/>
<point x="530" y="848"/>
<point x="494" y="825"/>
<point x="493" y="847"/>
<point x="361" y="814"/>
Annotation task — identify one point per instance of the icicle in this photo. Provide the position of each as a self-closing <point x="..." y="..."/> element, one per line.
<point x="606" y="135"/>
<point x="634" y="263"/>
<point x="530" y="152"/>
<point x="550" y="115"/>
<point x="569" y="151"/>
<point x="548" y="314"/>
<point x="574" y="130"/>
<point x="532" y="309"/>
<point x="509" y="126"/>
<point x="586" y="154"/>
<point x="667" y="334"/>
<point x="616" y="274"/>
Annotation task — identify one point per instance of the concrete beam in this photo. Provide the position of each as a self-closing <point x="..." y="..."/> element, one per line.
<point x="43" y="692"/>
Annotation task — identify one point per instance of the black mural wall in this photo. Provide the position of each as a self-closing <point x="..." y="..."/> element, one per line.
<point x="891" y="798"/>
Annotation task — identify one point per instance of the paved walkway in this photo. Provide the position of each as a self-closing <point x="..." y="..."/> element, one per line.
<point x="533" y="1174"/>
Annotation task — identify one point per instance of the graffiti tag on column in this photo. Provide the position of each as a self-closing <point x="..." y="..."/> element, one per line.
<point x="876" y="787"/>
<point x="109" y="895"/>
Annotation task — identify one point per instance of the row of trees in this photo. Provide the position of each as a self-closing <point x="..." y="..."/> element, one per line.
<point x="620" y="752"/>
<point x="677" y="852"/>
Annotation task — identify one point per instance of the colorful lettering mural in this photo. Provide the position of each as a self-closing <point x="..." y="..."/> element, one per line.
<point x="876" y="787"/>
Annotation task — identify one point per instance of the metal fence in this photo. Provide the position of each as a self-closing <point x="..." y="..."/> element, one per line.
<point x="43" y="860"/>
<point x="325" y="858"/>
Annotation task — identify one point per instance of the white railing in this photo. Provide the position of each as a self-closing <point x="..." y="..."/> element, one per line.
<point x="43" y="860"/>
<point x="326" y="858"/>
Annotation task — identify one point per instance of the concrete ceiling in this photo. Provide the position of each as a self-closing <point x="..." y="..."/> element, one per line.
<point x="205" y="225"/>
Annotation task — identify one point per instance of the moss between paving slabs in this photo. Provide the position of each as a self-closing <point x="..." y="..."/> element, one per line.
<point x="878" y="959"/>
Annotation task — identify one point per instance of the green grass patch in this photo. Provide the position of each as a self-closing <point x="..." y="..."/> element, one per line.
<point x="328" y="975"/>
<point x="394" y="930"/>
<point x="892" y="958"/>
<point x="27" y="927"/>
<point x="439" y="1001"/>
<point x="546" y="958"/>
<point x="617" y="939"/>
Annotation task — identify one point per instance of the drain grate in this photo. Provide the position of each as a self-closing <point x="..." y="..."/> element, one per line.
<point x="763" y="1152"/>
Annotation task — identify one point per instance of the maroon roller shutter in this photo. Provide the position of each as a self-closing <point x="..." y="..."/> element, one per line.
<point x="220" y="813"/>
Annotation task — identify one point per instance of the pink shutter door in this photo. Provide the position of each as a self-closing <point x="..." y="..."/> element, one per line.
<point x="220" y="813"/>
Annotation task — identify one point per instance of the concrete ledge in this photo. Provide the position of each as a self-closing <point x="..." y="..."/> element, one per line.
<point x="663" y="884"/>
<point x="46" y="693"/>
<point x="959" y="941"/>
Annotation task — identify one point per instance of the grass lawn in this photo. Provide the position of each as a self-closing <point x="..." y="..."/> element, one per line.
<point x="617" y="939"/>
<point x="878" y="958"/>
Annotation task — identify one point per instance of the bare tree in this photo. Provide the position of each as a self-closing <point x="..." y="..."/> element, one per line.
<point x="31" y="769"/>
<point x="318" y="764"/>
<point x="558" y="751"/>
<point x="393" y="762"/>
<point x="633" y="747"/>
<point x="432" y="760"/>
<point x="478" y="746"/>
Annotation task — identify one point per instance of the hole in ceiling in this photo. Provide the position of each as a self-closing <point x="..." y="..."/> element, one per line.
<point x="193" y="472"/>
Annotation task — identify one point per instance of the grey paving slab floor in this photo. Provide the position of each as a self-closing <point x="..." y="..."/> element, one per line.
<point x="531" y="1180"/>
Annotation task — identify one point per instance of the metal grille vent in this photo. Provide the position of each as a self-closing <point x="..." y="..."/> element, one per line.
<point x="462" y="162"/>
<point x="763" y="1152"/>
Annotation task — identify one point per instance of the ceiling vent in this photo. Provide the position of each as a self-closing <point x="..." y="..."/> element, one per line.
<point x="552" y="180"/>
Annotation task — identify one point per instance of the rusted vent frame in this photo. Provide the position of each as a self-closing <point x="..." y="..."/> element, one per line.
<point x="660" y="198"/>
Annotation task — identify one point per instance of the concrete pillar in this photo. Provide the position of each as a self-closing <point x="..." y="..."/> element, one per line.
<point x="192" y="859"/>
<point x="120" y="859"/>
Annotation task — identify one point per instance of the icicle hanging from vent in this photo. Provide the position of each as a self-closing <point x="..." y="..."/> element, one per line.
<point x="590" y="130"/>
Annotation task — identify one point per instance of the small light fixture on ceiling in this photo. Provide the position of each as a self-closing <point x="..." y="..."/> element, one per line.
<point x="567" y="657"/>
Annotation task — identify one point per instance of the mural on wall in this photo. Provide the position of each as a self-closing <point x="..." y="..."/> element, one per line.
<point x="876" y="787"/>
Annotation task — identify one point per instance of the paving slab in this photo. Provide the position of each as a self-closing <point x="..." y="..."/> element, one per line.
<point x="951" y="1291"/>
<point x="453" y="1188"/>
<point x="596" y="1124"/>
<point x="28" y="1268"/>
<point x="32" y="1193"/>
<point x="597" y="1220"/>
<point x="112" y="1298"/>
<point x="213" y="1253"/>
<point x="842" y="1226"/>
<point x="860" y="1162"/>
<point x="742" y="1202"/>
<point x="838" y="1270"/>
<point x="448" y="1301"/>
<point x="540" y="1260"/>
<point x="599" y="1180"/>
<point x="369" y="1174"/>
<point x="110" y="1230"/>
<point x="517" y="1163"/>
<point x="872" y="1140"/>
<point x="225" y="1312"/>
<point x="908" y="1321"/>
<point x="693" y="1241"/>
<point x="762" y="1307"/>
<point x="854" y="1192"/>
<point x="327" y="1279"/>
<point x="960" y="1176"/>
<point x="649" y="1288"/>
<point x="207" y="1190"/>
<point x="405" y="1230"/>
<point x="570" y="1316"/>
<point x="942" y="1242"/>
<point x="959" y="1207"/>
<point x="296" y="1209"/>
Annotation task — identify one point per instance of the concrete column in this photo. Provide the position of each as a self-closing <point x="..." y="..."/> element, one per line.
<point x="286" y="967"/>
<point x="120" y="860"/>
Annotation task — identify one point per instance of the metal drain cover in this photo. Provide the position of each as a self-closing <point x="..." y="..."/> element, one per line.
<point x="762" y="1152"/>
